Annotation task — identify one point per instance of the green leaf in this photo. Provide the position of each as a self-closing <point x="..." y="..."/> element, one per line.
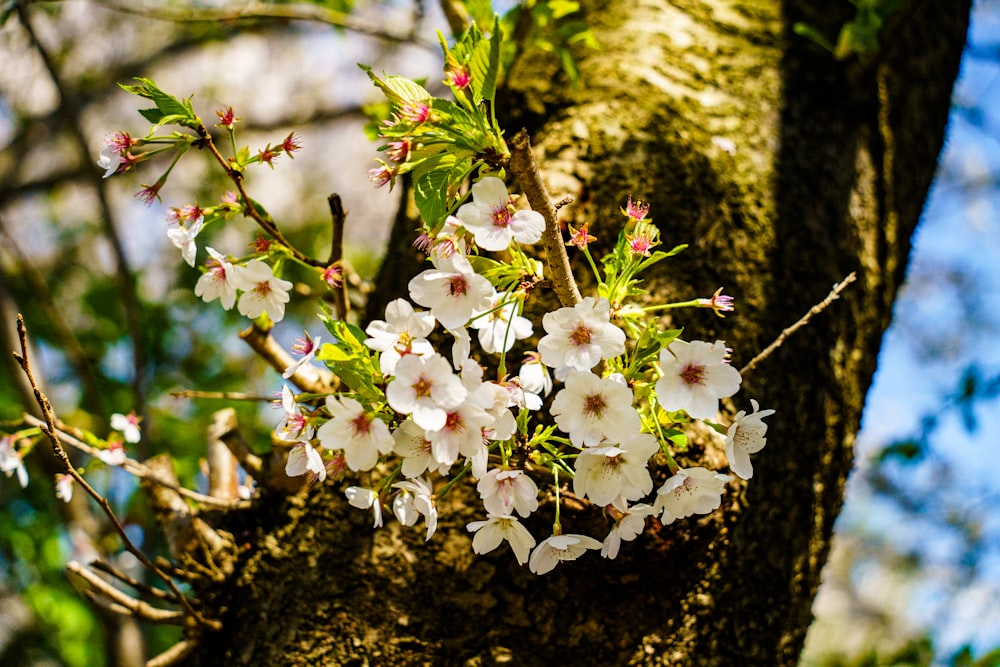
<point x="399" y="89"/>
<point x="485" y="65"/>
<point x="430" y="191"/>
<point x="168" y="109"/>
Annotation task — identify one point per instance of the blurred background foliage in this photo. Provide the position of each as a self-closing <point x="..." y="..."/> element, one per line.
<point x="915" y="577"/>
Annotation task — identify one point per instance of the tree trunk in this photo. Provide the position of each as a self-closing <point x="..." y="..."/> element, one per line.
<point x="785" y="169"/>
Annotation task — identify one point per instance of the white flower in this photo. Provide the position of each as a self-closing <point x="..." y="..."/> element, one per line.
<point x="110" y="159"/>
<point x="501" y="327"/>
<point x="426" y="389"/>
<point x="461" y="433"/>
<point x="64" y="487"/>
<point x="415" y="498"/>
<point x="535" y="379"/>
<point x="363" y="499"/>
<point x="183" y="237"/>
<point x="114" y="455"/>
<point x="11" y="462"/>
<point x="262" y="291"/>
<point x="689" y="491"/>
<point x="592" y="409"/>
<point x="452" y="290"/>
<point x="307" y="347"/>
<point x="505" y="492"/>
<point x="403" y="331"/>
<point x="128" y="425"/>
<point x="492" y="219"/>
<point x="627" y="528"/>
<point x="612" y="474"/>
<point x="411" y="443"/>
<point x="580" y="336"/>
<point x="746" y="437"/>
<point x="303" y="458"/>
<point x="461" y="348"/>
<point x="293" y="425"/>
<point x="490" y="533"/>
<point x="362" y="436"/>
<point x="557" y="548"/>
<point x="695" y="376"/>
<point x="217" y="281"/>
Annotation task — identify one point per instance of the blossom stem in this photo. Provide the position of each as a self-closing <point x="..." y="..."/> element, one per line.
<point x="556" y="525"/>
<point x="525" y="170"/>
<point x="693" y="303"/>
<point x="447" y="487"/>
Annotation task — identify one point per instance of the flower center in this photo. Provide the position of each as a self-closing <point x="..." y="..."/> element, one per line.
<point x="422" y="387"/>
<point x="594" y="405"/>
<point x="582" y="335"/>
<point x="457" y="286"/>
<point x="501" y="217"/>
<point x="361" y="424"/>
<point x="263" y="288"/>
<point x="693" y="374"/>
<point x="454" y="423"/>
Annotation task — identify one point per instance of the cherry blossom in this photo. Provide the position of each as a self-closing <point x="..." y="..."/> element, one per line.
<point x="592" y="409"/>
<point x="461" y="433"/>
<point x="558" y="548"/>
<point x="426" y="389"/>
<point x="452" y="290"/>
<point x="114" y="455"/>
<point x="293" y="425"/>
<point x="627" y="527"/>
<point x="217" y="281"/>
<point x="412" y="445"/>
<point x="505" y="492"/>
<point x="364" y="499"/>
<point x="11" y="462"/>
<point x="695" y="376"/>
<point x="185" y="225"/>
<point x="415" y="498"/>
<point x="361" y="435"/>
<point x="497" y="528"/>
<point x="500" y="327"/>
<point x="746" y="437"/>
<point x="613" y="474"/>
<point x="492" y="219"/>
<point x="64" y="487"/>
<point x="307" y="346"/>
<point x="262" y="291"/>
<point x="128" y="425"/>
<point x="689" y="491"/>
<point x="302" y="459"/>
<point x="580" y="336"/>
<point x="403" y="331"/>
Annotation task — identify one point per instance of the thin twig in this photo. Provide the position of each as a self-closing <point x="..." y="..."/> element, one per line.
<point x="815" y="310"/>
<point x="174" y="654"/>
<point x="142" y="587"/>
<point x="308" y="378"/>
<point x="50" y="430"/>
<point x="338" y="219"/>
<point x="125" y="278"/>
<point x="301" y="11"/>
<point x="121" y="602"/>
<point x="525" y="170"/>
<point x="223" y="395"/>
<point x="71" y="437"/>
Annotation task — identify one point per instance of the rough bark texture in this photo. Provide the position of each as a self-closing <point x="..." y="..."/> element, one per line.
<point x="830" y="167"/>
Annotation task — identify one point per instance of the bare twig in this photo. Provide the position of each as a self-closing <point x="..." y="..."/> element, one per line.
<point x="241" y="450"/>
<point x="174" y="654"/>
<point x="222" y="395"/>
<point x="125" y="279"/>
<point x="300" y="11"/>
<point x="815" y="310"/>
<point x="338" y="217"/>
<point x="307" y="378"/>
<point x="50" y="430"/>
<point x="71" y="437"/>
<point x="120" y="602"/>
<point x="525" y="170"/>
<point x="223" y="482"/>
<point x="142" y="587"/>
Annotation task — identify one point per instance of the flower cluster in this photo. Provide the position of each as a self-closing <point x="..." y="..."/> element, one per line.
<point x="429" y="417"/>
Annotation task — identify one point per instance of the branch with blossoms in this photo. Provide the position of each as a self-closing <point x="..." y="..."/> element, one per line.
<point x="456" y="385"/>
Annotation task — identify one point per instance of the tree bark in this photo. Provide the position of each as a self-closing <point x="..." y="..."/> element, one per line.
<point x="785" y="169"/>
